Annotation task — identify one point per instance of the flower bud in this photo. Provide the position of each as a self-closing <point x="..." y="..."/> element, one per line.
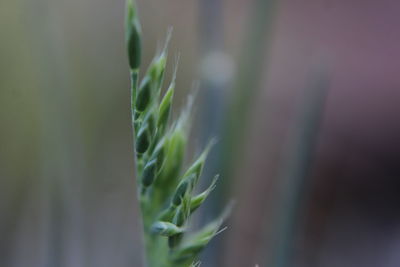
<point x="159" y="154"/>
<point x="144" y="95"/>
<point x="197" y="166"/>
<point x="149" y="173"/>
<point x="180" y="218"/>
<point x="150" y="120"/>
<point x="165" y="109"/>
<point x="189" y="250"/>
<point x="157" y="69"/>
<point x="173" y="159"/>
<point x="196" y="201"/>
<point x="133" y="33"/>
<point x="143" y="140"/>
<point x="198" y="242"/>
<point x="168" y="214"/>
<point x="166" y="229"/>
<point x="157" y="66"/>
<point x="180" y="192"/>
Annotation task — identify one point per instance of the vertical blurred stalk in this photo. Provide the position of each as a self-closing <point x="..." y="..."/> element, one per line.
<point x="14" y="184"/>
<point x="294" y="180"/>
<point x="251" y="67"/>
<point x="215" y="75"/>
<point x="60" y="156"/>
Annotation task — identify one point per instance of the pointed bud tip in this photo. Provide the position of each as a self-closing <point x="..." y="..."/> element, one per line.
<point x="133" y="35"/>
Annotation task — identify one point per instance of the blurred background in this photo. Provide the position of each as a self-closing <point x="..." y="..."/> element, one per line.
<point x="303" y="97"/>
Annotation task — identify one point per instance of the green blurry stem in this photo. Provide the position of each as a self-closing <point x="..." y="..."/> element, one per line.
<point x="156" y="248"/>
<point x="297" y="168"/>
<point x="247" y="84"/>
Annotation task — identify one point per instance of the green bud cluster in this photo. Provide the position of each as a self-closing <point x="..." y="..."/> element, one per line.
<point x="166" y="192"/>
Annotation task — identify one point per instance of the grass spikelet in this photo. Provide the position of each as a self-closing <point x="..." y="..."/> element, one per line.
<point x="166" y="229"/>
<point x="133" y="35"/>
<point x="196" y="201"/>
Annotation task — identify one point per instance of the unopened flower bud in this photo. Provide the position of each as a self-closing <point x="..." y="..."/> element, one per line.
<point x="144" y="95"/>
<point x="196" y="201"/>
<point x="143" y="140"/>
<point x="166" y="229"/>
<point x="133" y="33"/>
<point x="149" y="173"/>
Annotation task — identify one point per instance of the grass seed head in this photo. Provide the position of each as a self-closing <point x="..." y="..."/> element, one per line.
<point x="160" y="154"/>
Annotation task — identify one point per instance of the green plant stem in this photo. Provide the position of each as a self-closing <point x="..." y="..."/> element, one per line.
<point x="247" y="83"/>
<point x="297" y="167"/>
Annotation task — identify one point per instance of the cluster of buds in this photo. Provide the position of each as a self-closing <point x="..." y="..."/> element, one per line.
<point x="166" y="192"/>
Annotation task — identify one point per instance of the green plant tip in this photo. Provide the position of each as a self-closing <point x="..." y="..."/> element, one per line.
<point x="133" y="35"/>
